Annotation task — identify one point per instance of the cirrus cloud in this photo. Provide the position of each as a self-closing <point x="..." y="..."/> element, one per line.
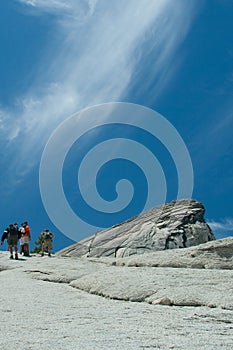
<point x="93" y="53"/>
<point x="222" y="228"/>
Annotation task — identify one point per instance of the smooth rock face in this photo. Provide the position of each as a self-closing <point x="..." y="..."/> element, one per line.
<point x="178" y="224"/>
<point x="215" y="255"/>
<point x="127" y="303"/>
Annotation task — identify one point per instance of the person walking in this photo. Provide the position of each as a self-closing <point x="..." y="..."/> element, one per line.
<point x="26" y="237"/>
<point x="21" y="241"/>
<point x="12" y="235"/>
<point x="47" y="237"/>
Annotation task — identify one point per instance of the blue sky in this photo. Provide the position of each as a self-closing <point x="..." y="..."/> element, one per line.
<point x="58" y="57"/>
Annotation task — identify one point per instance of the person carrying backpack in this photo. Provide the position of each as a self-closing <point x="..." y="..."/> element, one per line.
<point x="47" y="241"/>
<point x="12" y="235"/>
<point x="26" y="237"/>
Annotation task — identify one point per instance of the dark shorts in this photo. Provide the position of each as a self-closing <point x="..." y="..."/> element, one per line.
<point x="12" y="240"/>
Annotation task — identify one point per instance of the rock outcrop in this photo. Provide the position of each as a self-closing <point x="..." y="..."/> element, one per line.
<point x="216" y="255"/>
<point x="178" y="224"/>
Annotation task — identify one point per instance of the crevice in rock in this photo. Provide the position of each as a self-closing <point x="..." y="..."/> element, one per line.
<point x="37" y="271"/>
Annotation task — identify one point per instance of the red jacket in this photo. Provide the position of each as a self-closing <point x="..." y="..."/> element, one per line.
<point x="26" y="231"/>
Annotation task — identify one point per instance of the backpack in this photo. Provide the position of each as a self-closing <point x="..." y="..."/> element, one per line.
<point x="12" y="231"/>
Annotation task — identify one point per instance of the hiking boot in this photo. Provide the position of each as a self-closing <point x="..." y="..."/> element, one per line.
<point x="16" y="257"/>
<point x="11" y="257"/>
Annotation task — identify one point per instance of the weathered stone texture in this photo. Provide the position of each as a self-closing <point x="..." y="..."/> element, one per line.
<point x="178" y="224"/>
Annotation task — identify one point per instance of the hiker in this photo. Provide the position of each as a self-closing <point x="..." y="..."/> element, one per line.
<point x="21" y="241"/>
<point x="47" y="237"/>
<point x="26" y="237"/>
<point x="12" y="235"/>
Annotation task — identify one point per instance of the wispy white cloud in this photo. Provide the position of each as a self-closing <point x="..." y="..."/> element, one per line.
<point x="50" y="5"/>
<point x="222" y="228"/>
<point x="91" y="59"/>
<point x="2" y="120"/>
<point x="28" y="2"/>
<point x="76" y="9"/>
<point x="8" y="128"/>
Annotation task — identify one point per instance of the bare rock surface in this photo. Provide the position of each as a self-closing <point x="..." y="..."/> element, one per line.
<point x="216" y="254"/>
<point x="138" y="302"/>
<point x="178" y="224"/>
